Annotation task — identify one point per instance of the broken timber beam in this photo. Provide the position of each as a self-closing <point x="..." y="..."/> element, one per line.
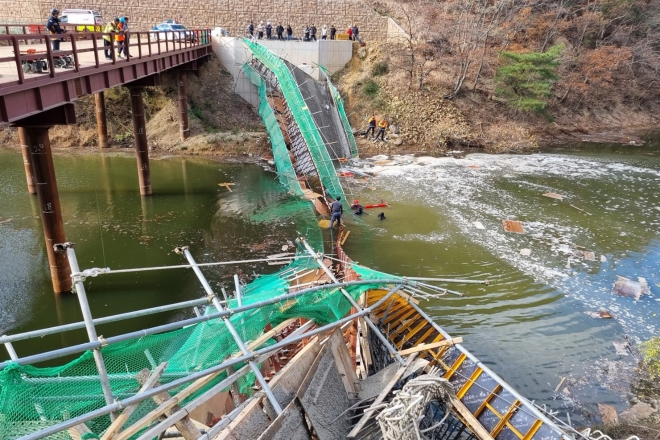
<point x="147" y="385"/>
<point x="430" y="346"/>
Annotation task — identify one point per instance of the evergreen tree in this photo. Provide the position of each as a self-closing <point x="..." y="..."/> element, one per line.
<point x="525" y="79"/>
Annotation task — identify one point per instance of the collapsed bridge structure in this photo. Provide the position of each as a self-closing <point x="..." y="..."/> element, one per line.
<point x="324" y="348"/>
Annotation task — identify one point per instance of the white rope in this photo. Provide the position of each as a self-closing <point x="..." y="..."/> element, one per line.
<point x="400" y="418"/>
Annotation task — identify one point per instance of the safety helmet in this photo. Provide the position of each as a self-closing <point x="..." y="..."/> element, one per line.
<point x="122" y="20"/>
<point x="54" y="11"/>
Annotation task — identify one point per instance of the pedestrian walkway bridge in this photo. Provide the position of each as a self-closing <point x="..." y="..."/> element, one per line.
<point x="24" y="91"/>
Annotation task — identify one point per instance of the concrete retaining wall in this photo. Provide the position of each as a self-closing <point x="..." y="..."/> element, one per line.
<point x="233" y="15"/>
<point x="333" y="55"/>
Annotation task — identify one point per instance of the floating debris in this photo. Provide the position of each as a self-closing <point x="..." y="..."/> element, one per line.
<point x="554" y="196"/>
<point x="601" y="314"/>
<point x="603" y="259"/>
<point x="227" y="185"/>
<point x="525" y="252"/>
<point x="608" y="414"/>
<point x="621" y="347"/>
<point x="631" y="289"/>
<point x="580" y="209"/>
<point x="561" y="382"/>
<point x="478" y="225"/>
<point x="589" y="256"/>
<point x="513" y="226"/>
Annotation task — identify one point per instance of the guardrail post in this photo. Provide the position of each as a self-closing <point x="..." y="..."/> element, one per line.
<point x="184" y="128"/>
<point x="36" y="138"/>
<point x="141" y="146"/>
<point x="101" y="120"/>
<point x="74" y="49"/>
<point x="27" y="160"/>
<point x="17" y="57"/>
<point x="49" y="57"/>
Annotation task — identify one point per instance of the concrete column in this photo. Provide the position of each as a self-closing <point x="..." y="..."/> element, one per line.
<point x="36" y="138"/>
<point x="27" y="160"/>
<point x="141" y="146"/>
<point x="184" y="128"/>
<point x="101" y="120"/>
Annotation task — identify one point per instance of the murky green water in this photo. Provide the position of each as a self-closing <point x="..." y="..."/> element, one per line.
<point x="529" y="325"/>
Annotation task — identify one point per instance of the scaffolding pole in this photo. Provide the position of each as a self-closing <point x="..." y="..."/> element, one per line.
<point x="4" y="339"/>
<point x="350" y="299"/>
<point x="232" y="330"/>
<point x="118" y="405"/>
<point x="74" y="349"/>
<point x="89" y="325"/>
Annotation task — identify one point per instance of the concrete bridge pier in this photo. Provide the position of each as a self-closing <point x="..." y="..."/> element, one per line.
<point x="101" y="119"/>
<point x="184" y="128"/>
<point x="34" y="135"/>
<point x="27" y="160"/>
<point x="141" y="145"/>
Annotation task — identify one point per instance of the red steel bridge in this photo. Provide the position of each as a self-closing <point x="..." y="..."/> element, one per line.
<point x="39" y="85"/>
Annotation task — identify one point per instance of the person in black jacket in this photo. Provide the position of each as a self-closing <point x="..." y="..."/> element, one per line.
<point x="280" y="30"/>
<point x="269" y="31"/>
<point x="312" y="33"/>
<point x="53" y="26"/>
<point x="333" y="31"/>
<point x="289" y="32"/>
<point x="250" y="29"/>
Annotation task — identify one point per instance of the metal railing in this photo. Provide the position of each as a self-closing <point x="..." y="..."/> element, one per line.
<point x="32" y="52"/>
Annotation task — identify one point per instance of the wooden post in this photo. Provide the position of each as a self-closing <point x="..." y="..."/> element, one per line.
<point x="184" y="127"/>
<point x="141" y="146"/>
<point x="27" y="160"/>
<point x="101" y="120"/>
<point x="36" y="138"/>
<point x="185" y="426"/>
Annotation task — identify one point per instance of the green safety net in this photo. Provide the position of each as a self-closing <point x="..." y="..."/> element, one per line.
<point x="339" y="102"/>
<point x="285" y="172"/>
<point x="301" y="115"/>
<point x="32" y="398"/>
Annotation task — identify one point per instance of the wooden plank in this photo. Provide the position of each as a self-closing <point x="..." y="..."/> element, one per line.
<point x="514" y="226"/>
<point x="469" y="419"/>
<point x="227" y="185"/>
<point x="430" y="346"/>
<point x="337" y="346"/>
<point x="77" y="432"/>
<point x="554" y="196"/>
<point x="149" y="384"/>
<point x="381" y="397"/>
<point x="344" y="237"/>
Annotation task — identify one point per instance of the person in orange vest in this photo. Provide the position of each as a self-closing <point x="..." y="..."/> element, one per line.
<point x="372" y="126"/>
<point x="119" y="38"/>
<point x="382" y="125"/>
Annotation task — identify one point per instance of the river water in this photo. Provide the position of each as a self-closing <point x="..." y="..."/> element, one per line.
<point x="529" y="325"/>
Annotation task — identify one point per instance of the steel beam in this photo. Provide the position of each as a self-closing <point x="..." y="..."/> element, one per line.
<point x="101" y="120"/>
<point x="182" y="83"/>
<point x="141" y="146"/>
<point x="37" y="140"/>
<point x="27" y="160"/>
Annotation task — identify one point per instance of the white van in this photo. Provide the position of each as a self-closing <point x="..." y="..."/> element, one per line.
<point x="85" y="19"/>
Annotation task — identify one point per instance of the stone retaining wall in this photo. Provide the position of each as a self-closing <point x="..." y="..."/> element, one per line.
<point x="233" y="15"/>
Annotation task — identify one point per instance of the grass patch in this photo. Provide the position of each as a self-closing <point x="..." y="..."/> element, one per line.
<point x="380" y="68"/>
<point x="196" y="111"/>
<point x="371" y="88"/>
